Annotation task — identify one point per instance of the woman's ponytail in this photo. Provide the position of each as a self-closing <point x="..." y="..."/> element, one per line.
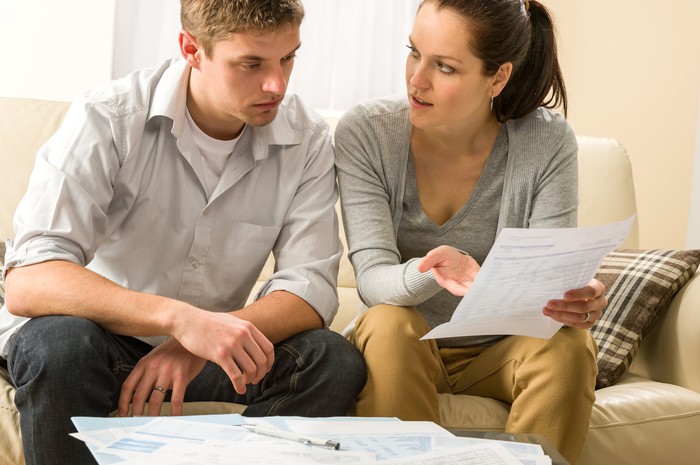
<point x="537" y="81"/>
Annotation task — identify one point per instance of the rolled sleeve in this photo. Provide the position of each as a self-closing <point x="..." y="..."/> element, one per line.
<point x="63" y="215"/>
<point x="308" y="249"/>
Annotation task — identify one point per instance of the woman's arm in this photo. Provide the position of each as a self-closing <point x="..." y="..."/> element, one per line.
<point x="555" y="204"/>
<point x="364" y="180"/>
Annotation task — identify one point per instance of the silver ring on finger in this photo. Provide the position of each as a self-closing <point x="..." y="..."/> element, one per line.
<point x="588" y="317"/>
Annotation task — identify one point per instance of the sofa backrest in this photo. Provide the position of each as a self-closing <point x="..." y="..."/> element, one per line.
<point x="26" y="125"/>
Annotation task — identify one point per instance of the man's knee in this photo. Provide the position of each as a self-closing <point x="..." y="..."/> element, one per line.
<point x="55" y="343"/>
<point x="331" y="355"/>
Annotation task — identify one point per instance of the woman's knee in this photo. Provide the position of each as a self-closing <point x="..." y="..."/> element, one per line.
<point x="573" y="356"/>
<point x="389" y="324"/>
<point x="577" y="345"/>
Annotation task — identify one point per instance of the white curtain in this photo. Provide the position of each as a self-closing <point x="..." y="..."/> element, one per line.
<point x="352" y="50"/>
<point x="145" y="34"/>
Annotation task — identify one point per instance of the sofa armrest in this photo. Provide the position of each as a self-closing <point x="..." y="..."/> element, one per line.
<point x="670" y="352"/>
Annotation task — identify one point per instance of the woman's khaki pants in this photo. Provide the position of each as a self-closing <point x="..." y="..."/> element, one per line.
<point x="548" y="382"/>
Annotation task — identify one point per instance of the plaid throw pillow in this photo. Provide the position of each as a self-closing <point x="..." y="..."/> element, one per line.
<point x="640" y="285"/>
<point x="2" y="261"/>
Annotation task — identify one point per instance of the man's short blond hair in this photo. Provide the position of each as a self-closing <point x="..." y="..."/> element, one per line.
<point x="210" y="21"/>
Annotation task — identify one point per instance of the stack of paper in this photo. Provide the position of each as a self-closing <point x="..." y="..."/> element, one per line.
<point x="217" y="439"/>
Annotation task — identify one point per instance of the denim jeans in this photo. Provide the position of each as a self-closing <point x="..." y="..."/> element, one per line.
<point x="65" y="366"/>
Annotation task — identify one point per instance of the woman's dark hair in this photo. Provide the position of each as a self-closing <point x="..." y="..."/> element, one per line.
<point x="522" y="33"/>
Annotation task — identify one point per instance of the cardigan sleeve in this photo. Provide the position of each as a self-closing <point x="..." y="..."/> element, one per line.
<point x="555" y="199"/>
<point x="362" y="158"/>
<point x="541" y="183"/>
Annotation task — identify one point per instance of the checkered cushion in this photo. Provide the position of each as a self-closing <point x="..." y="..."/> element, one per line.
<point x="2" y="261"/>
<point x="640" y="285"/>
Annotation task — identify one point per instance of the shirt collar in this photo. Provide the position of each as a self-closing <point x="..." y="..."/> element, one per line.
<point x="278" y="132"/>
<point x="170" y="95"/>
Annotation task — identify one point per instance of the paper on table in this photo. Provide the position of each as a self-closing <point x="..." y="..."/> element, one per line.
<point x="165" y="439"/>
<point x="386" y="438"/>
<point x="477" y="454"/>
<point x="181" y="441"/>
<point x="365" y="427"/>
<point x="524" y="269"/>
<point x="93" y="430"/>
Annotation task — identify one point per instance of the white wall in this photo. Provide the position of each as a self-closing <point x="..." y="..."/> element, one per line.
<point x="632" y="69"/>
<point x="55" y="49"/>
<point x="693" y="240"/>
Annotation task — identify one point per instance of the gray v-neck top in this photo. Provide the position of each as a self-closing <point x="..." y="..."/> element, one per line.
<point x="472" y="229"/>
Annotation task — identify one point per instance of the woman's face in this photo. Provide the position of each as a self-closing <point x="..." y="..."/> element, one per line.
<point x="444" y="79"/>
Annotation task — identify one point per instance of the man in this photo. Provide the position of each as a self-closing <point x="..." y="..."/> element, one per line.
<point x="149" y="216"/>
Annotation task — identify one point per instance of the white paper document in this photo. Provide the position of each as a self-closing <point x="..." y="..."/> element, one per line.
<point x="221" y="440"/>
<point x="476" y="454"/>
<point x="524" y="269"/>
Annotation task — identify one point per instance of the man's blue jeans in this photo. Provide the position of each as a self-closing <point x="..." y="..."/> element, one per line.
<point x="65" y="366"/>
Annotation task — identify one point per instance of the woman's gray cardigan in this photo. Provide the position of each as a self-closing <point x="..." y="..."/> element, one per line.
<point x="372" y="142"/>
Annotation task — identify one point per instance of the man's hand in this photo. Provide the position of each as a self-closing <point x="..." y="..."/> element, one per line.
<point x="236" y="345"/>
<point x="168" y="366"/>
<point x="452" y="269"/>
<point x="579" y="308"/>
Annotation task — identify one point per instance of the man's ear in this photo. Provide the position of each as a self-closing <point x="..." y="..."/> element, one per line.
<point x="190" y="49"/>
<point x="501" y="78"/>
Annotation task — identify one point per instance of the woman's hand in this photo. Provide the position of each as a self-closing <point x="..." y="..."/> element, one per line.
<point x="579" y="308"/>
<point x="452" y="269"/>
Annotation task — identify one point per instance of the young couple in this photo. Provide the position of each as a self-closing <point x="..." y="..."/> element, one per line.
<point x="150" y="214"/>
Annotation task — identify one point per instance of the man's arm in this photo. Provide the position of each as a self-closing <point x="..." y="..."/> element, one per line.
<point x="280" y="315"/>
<point x="64" y="288"/>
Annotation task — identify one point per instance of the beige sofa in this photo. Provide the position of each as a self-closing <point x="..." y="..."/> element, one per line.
<point x="652" y="416"/>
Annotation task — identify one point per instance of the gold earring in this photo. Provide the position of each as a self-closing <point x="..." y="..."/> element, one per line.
<point x="492" y="103"/>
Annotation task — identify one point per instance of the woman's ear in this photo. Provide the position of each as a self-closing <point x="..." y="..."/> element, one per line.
<point x="190" y="49"/>
<point x="500" y="79"/>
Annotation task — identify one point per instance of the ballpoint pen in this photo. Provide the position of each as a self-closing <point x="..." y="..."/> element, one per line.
<point x="281" y="434"/>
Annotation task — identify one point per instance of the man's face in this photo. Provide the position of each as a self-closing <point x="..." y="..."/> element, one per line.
<point x="243" y="81"/>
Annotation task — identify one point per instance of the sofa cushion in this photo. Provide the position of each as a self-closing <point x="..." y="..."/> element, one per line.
<point x="640" y="284"/>
<point x="640" y="421"/>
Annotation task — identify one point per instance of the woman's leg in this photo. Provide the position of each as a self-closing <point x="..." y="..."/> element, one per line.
<point x="549" y="382"/>
<point x="402" y="370"/>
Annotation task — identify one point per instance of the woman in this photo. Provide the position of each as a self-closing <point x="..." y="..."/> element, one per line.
<point x="427" y="183"/>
